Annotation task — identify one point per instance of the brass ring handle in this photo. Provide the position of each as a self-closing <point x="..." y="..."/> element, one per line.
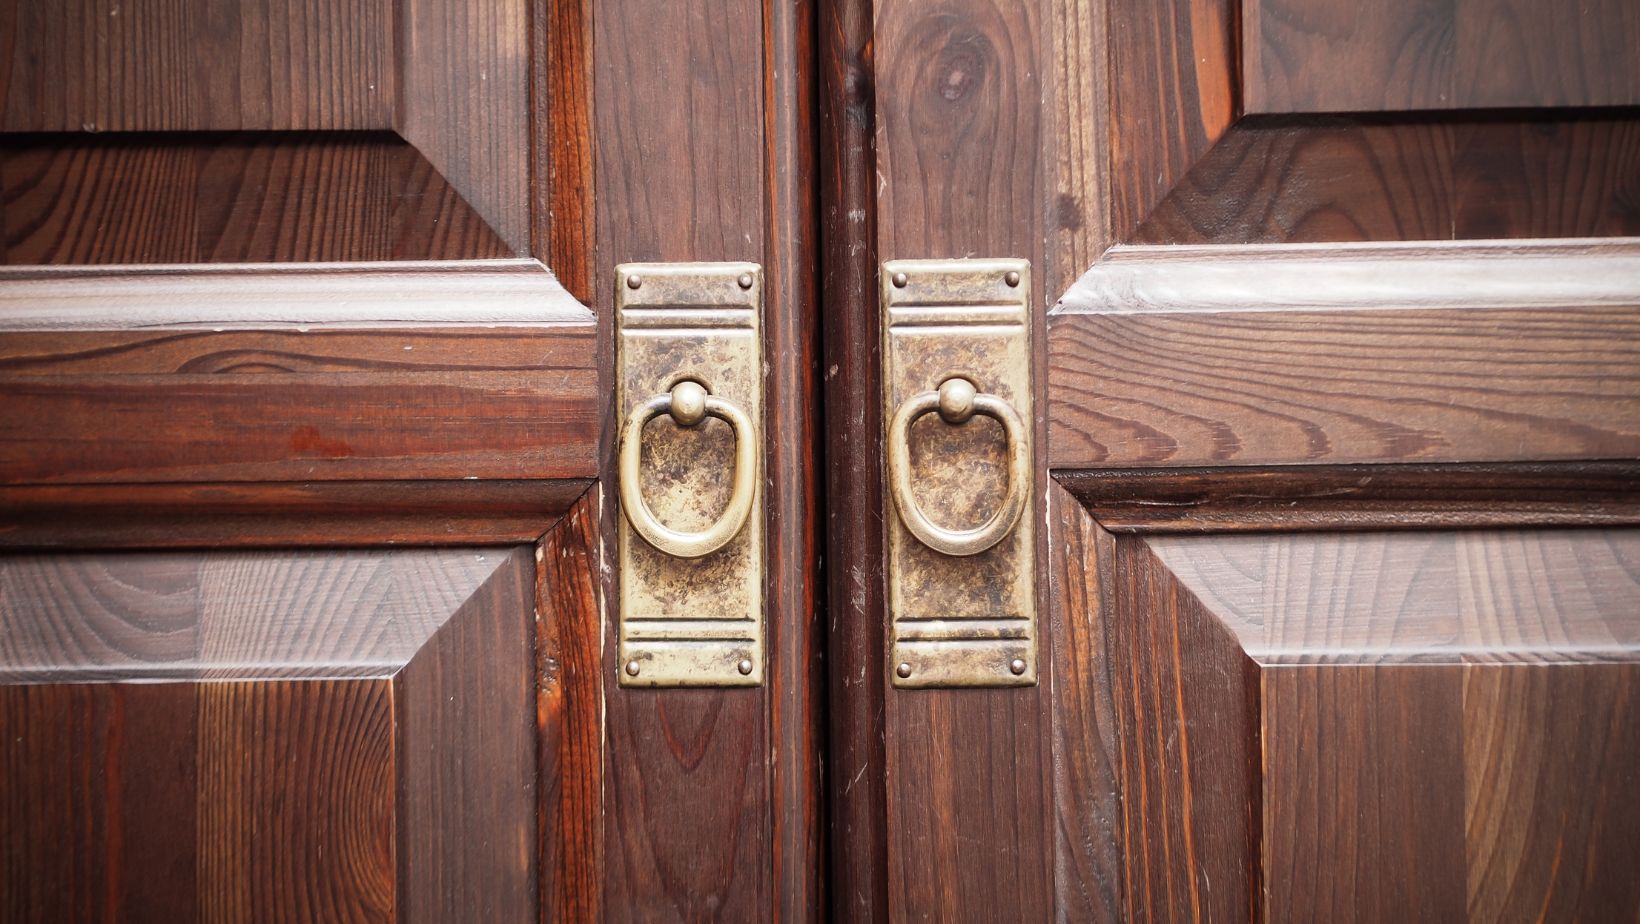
<point x="689" y="403"/>
<point x="957" y="401"/>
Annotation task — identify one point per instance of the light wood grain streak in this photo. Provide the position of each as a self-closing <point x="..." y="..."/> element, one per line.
<point x="1425" y="597"/>
<point x="343" y="295"/>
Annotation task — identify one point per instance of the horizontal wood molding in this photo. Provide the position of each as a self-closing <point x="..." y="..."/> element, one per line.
<point x="260" y="374"/>
<point x="1357" y="497"/>
<point x="311" y="514"/>
<point x="1264" y="355"/>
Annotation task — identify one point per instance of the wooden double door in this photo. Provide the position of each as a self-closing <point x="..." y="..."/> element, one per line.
<point x="311" y="591"/>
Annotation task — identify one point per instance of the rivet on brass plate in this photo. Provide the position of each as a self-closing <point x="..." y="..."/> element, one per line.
<point x="958" y="413"/>
<point x="690" y="537"/>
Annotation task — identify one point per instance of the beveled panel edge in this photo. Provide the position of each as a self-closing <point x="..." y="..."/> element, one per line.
<point x="510" y="292"/>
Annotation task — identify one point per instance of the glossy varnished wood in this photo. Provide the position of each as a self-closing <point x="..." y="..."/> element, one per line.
<point x="1290" y="180"/>
<point x="231" y="199"/>
<point x="309" y="378"/>
<point x="205" y="736"/>
<point x="1174" y="357"/>
<point x="1324" y="56"/>
<point x="569" y="674"/>
<point x="197" y="65"/>
<point x="1401" y="725"/>
<point x="857" y="802"/>
<point x="958" y="92"/>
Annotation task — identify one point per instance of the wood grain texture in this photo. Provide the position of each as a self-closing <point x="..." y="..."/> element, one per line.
<point x="1426" y="720"/>
<point x="569" y="718"/>
<point x="231" y="199"/>
<point x="564" y="217"/>
<point x="961" y="172"/>
<point x="1285" y="180"/>
<point x="1076" y="129"/>
<point x="311" y="514"/>
<point x="1186" y="701"/>
<point x="464" y="103"/>
<point x="291" y="388"/>
<point x="792" y="460"/>
<point x="196" y="65"/>
<point x="1087" y="796"/>
<point x="855" y="592"/>
<point x="212" y="736"/>
<point x="466" y="753"/>
<point x="1358" y="497"/>
<point x="1173" y="94"/>
<point x="1320" y="56"/>
<point x="1200" y="357"/>
<point x="682" y="164"/>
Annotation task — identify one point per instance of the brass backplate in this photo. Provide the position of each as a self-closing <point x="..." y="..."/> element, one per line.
<point x="691" y="622"/>
<point x="970" y="620"/>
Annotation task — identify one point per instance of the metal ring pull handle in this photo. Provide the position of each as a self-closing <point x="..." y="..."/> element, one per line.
<point x="689" y="403"/>
<point x="957" y="401"/>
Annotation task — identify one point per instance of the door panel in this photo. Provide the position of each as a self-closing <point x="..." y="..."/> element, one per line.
<point x="217" y="735"/>
<point x="1343" y="382"/>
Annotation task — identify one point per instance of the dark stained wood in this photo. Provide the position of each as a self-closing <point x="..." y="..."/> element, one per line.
<point x="1087" y="803"/>
<point x="1438" y="721"/>
<point x="569" y="718"/>
<point x="682" y="159"/>
<point x="1174" y="356"/>
<point x="1184" y="694"/>
<point x="857" y="805"/>
<point x="1325" y="56"/>
<point x="464" y="103"/>
<point x="1358" y="497"/>
<point x="563" y="229"/>
<point x="1283" y="180"/>
<point x="198" y="65"/>
<point x="1172" y="95"/>
<point x="313" y="514"/>
<point x="231" y="199"/>
<point x="296" y="391"/>
<point x="466" y="753"/>
<point x="960" y="172"/>
<point x="792" y="433"/>
<point x="211" y="736"/>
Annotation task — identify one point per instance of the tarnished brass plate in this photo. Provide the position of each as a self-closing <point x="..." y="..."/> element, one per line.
<point x="965" y="619"/>
<point x="690" y="621"/>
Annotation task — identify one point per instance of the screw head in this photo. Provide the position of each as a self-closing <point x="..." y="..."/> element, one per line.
<point x="745" y="280"/>
<point x="688" y="403"/>
<point x="900" y="279"/>
<point x="904" y="670"/>
<point x="1012" y="279"/>
<point x="745" y="666"/>
<point x="1017" y="665"/>
<point x="632" y="668"/>
<point x="957" y="400"/>
<point x="633" y="281"/>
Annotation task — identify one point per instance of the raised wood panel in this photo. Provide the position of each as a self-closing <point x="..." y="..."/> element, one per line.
<point x="1172" y="95"/>
<point x="1412" y="721"/>
<point x="1364" y="179"/>
<point x="1325" y="56"/>
<point x="465" y="103"/>
<point x="1180" y="357"/>
<point x="290" y="388"/>
<point x="196" y="65"/>
<point x="232" y="199"/>
<point x="211" y="736"/>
